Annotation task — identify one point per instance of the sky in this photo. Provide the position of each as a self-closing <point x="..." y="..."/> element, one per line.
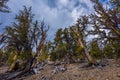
<point x="56" y="13"/>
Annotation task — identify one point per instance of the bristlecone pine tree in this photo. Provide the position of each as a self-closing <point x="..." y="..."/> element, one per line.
<point x="24" y="35"/>
<point x="108" y="17"/>
<point x="79" y="34"/>
<point x="106" y="22"/>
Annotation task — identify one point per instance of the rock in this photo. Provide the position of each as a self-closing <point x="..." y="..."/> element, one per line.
<point x="78" y="60"/>
<point x="57" y="63"/>
<point x="118" y="75"/>
<point x="86" y="66"/>
<point x="43" y="77"/>
<point x="63" y="69"/>
<point x="100" y="67"/>
<point x="35" y="70"/>
<point x="38" y="68"/>
<point x="63" y="62"/>
<point x="101" y="63"/>
<point x="77" y="75"/>
<point x="58" y="69"/>
<point x="117" y="65"/>
<point x="50" y="62"/>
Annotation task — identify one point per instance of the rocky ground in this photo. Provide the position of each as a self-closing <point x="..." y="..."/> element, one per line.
<point x="76" y="71"/>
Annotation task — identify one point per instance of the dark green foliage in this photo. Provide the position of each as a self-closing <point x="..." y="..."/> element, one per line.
<point x="43" y="57"/>
<point x="25" y="34"/>
<point x="45" y="52"/>
<point x="108" y="52"/>
<point x="21" y="36"/>
<point x="117" y="50"/>
<point x="10" y="59"/>
<point x="108" y="18"/>
<point x="67" y="42"/>
<point x="105" y="23"/>
<point x="63" y="45"/>
<point x="54" y="56"/>
<point x="95" y="51"/>
<point x="112" y="49"/>
<point x="3" y="57"/>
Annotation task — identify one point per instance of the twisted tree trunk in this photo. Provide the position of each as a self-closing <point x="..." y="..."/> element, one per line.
<point x="78" y="37"/>
<point x="27" y="68"/>
<point x="13" y="65"/>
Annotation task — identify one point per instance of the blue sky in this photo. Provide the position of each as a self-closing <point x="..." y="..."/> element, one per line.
<point x="56" y="13"/>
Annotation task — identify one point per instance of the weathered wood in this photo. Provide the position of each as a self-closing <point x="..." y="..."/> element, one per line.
<point x="13" y="65"/>
<point x="18" y="73"/>
<point x="78" y="39"/>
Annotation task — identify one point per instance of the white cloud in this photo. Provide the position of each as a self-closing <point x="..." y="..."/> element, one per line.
<point x="63" y="2"/>
<point x="64" y="14"/>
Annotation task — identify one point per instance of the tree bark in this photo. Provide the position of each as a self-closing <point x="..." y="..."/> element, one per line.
<point x="86" y="53"/>
<point x="18" y="73"/>
<point x="13" y="65"/>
